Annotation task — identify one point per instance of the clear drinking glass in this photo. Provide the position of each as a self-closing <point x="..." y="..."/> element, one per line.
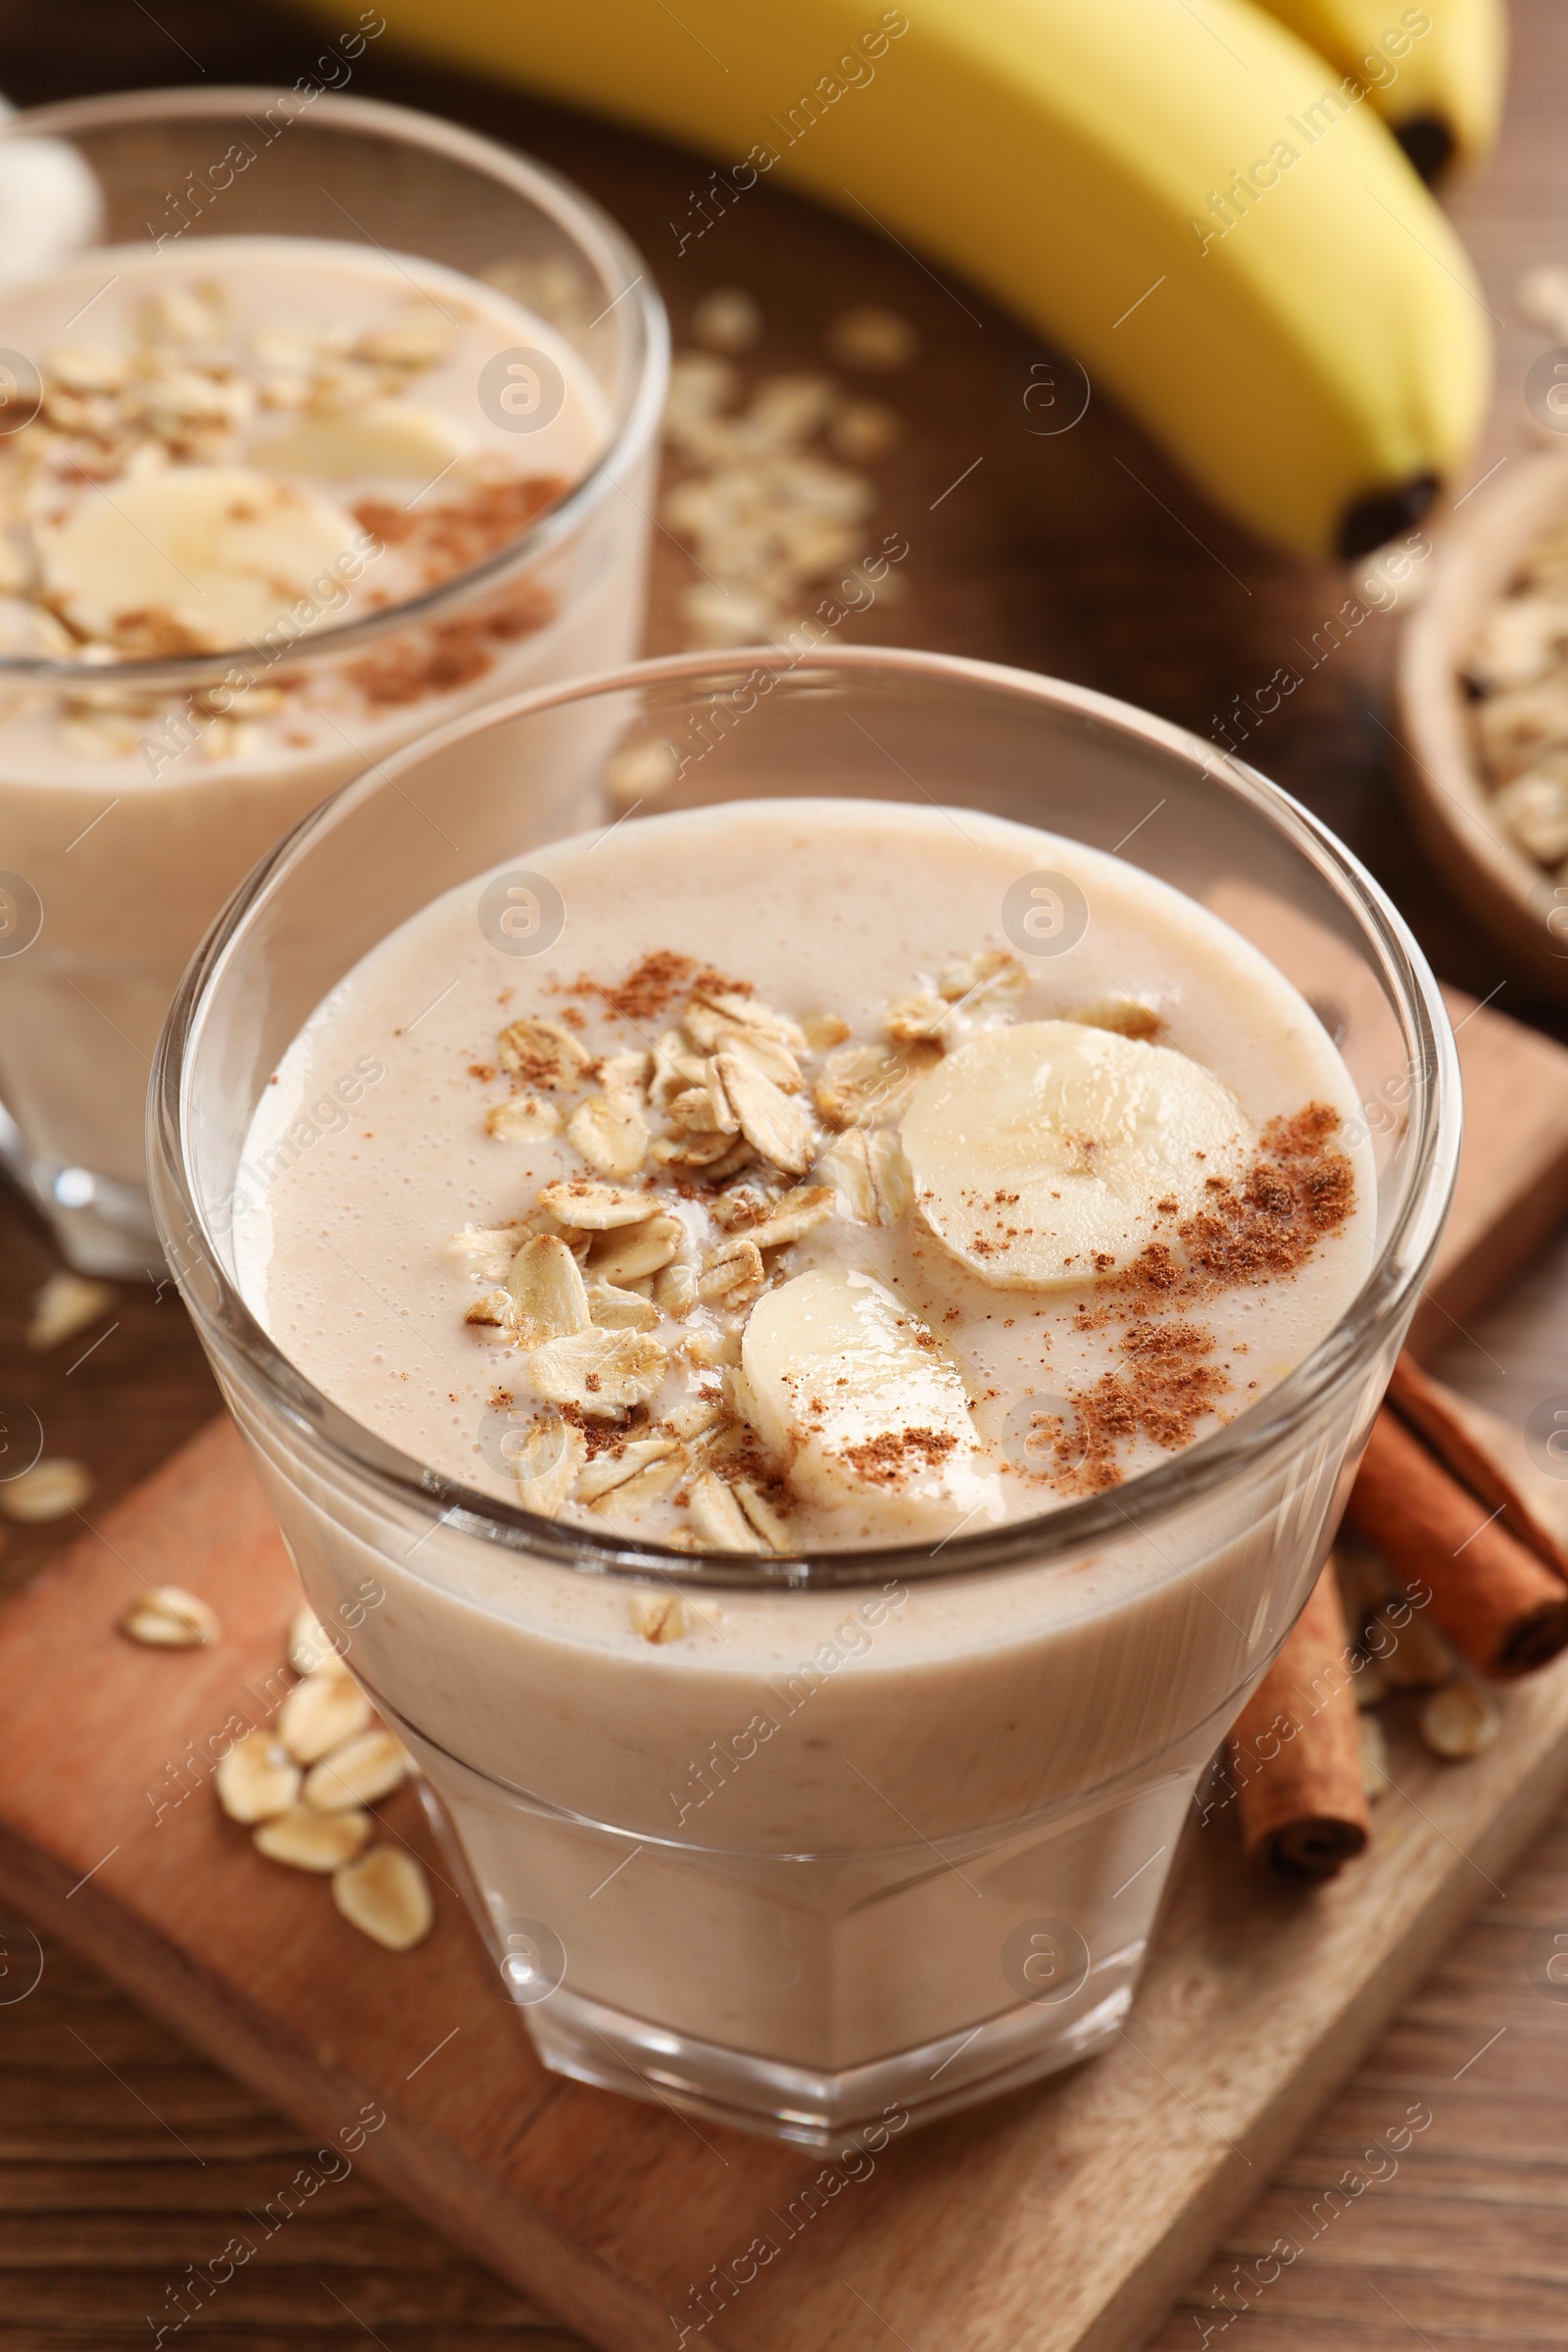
<point x="113" y="861"/>
<point x="898" y="1840"/>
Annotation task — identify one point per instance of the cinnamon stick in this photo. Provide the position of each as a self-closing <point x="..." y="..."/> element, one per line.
<point x="1448" y="1427"/>
<point x="1296" y="1749"/>
<point x="1500" y="1605"/>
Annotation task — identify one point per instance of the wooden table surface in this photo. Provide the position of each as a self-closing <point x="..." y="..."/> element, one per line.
<point x="123" y="2158"/>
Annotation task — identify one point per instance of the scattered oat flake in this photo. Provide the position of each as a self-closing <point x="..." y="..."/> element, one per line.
<point x="616" y="1310"/>
<point x="762" y="1516"/>
<point x="627" y="1072"/>
<point x="870" y="339"/>
<point x="908" y="1018"/>
<point x="545" y="1288"/>
<point x="772" y="1123"/>
<point x="870" y="1175"/>
<point x="709" y="1349"/>
<point x="610" y="1132"/>
<point x="611" y="1470"/>
<point x="1126" y="1017"/>
<point x="1375" y="1776"/>
<point x="868" y="1086"/>
<point x="728" y="320"/>
<point x="631" y="1256"/>
<point x="598" y="1371"/>
<point x="715" y="1014"/>
<point x="658" y="1616"/>
<point x="308" y="1840"/>
<point x="541" y="1052"/>
<point x="547" y="1464"/>
<point x="311" y="1649"/>
<point x="705" y="1107"/>
<point x="487" y="1249"/>
<point x="733" y="1275"/>
<point x="496" y="1311"/>
<point x="650" y="1485"/>
<point x="676" y="1288"/>
<point x="641" y="772"/>
<point x="168" y="1617"/>
<point x="991" y="971"/>
<point x="414" y="344"/>
<point x="66" y="1304"/>
<point x="719" y="1519"/>
<point x="1461" y="1721"/>
<point x="770" y="1058"/>
<point x="522" y="1119"/>
<point x="846" y="1167"/>
<point x="257" y="1779"/>
<point x="319" y="1714"/>
<point x="364" y="1769"/>
<point x="590" y="1207"/>
<point x="50" y="1490"/>
<point x="386" y="1895"/>
<point x="795" y="1214"/>
<point x="865" y="430"/>
<point x="717" y="617"/>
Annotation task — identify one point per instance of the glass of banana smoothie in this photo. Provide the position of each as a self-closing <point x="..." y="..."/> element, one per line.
<point x="342" y="422"/>
<point x="832" y="1272"/>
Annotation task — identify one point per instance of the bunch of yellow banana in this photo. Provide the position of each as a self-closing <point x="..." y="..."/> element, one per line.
<point x="1439" y="88"/>
<point x="1209" y="214"/>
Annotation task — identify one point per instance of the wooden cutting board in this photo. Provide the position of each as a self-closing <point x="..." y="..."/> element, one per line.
<point x="1060" y="2218"/>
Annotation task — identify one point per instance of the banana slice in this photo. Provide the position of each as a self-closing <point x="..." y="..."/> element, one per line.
<point x="386" y="440"/>
<point x="192" y="557"/>
<point x="1053" y="1152"/>
<point x="863" y="1404"/>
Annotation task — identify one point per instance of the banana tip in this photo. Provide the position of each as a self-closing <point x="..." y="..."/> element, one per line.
<point x="1429" y="142"/>
<point x="1370" y="522"/>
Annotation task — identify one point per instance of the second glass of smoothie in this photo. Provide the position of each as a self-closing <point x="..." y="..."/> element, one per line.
<point x="837" y="1303"/>
<point x="346" y="422"/>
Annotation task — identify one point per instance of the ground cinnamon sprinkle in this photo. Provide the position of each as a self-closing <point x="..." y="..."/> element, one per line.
<point x="450" y="655"/>
<point x="886" y="1460"/>
<point x="601" y="1435"/>
<point x="646" y="991"/>
<point x="453" y="537"/>
<point x="652" y="987"/>
<point x="1298" y="1191"/>
<point x="1164" y="1391"/>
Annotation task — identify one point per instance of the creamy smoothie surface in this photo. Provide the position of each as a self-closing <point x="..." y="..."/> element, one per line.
<point x="796" y="1195"/>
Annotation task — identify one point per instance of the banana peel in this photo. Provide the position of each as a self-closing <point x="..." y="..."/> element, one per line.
<point x="1434" y="72"/>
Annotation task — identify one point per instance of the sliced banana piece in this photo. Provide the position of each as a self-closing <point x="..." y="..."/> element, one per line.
<point x="1054" y="1153"/>
<point x="384" y="440"/>
<point x="866" y="1406"/>
<point x="192" y="557"/>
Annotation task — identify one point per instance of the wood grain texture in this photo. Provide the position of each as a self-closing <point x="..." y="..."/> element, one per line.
<point x="1504" y="1206"/>
<point x="1081" y="555"/>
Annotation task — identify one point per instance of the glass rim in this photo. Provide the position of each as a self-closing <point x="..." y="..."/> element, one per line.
<point x="1134" y="1508"/>
<point x="575" y="213"/>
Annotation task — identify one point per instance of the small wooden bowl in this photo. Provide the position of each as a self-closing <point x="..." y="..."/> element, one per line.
<point x="1514" y="900"/>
